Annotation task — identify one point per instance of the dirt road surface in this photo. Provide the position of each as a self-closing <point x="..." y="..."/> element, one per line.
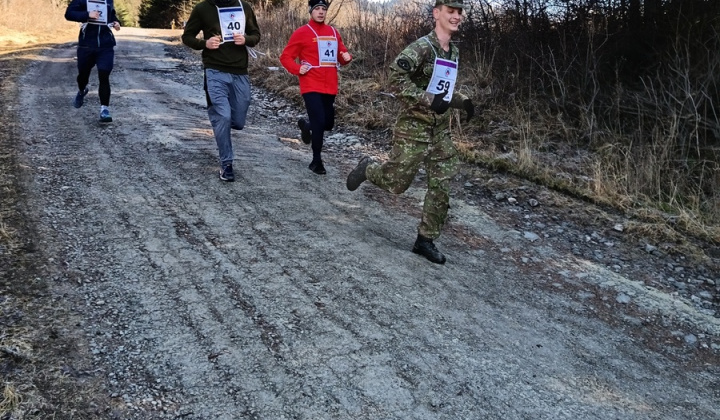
<point x="284" y="296"/>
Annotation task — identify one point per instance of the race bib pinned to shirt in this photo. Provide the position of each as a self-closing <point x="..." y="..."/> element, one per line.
<point x="327" y="51"/>
<point x="232" y="21"/>
<point x="443" y="78"/>
<point x="101" y="7"/>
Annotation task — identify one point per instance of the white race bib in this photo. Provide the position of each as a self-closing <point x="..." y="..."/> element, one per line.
<point x="443" y="78"/>
<point x="232" y="21"/>
<point x="100" y="6"/>
<point x="327" y="51"/>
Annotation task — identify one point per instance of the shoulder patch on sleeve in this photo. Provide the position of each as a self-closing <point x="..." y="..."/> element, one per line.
<point x="404" y="64"/>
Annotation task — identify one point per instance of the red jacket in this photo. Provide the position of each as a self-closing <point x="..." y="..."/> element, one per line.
<point x="303" y="46"/>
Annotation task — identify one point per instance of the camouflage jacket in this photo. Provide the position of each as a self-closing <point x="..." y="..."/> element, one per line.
<point x="410" y="75"/>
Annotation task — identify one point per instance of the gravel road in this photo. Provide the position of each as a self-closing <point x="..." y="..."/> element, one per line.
<point x="284" y="296"/>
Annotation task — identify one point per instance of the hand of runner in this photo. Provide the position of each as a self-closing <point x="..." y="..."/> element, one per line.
<point x="439" y="104"/>
<point x="304" y="68"/>
<point x="115" y="25"/>
<point x="346" y="56"/>
<point x="94" y="14"/>
<point x="469" y="108"/>
<point x="213" y="43"/>
<point x="239" y="39"/>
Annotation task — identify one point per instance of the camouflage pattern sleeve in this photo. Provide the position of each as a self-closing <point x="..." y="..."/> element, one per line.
<point x="408" y="75"/>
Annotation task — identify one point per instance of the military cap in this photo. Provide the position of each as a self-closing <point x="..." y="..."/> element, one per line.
<point x="458" y="4"/>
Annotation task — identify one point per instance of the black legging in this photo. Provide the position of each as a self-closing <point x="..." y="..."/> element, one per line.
<point x="83" y="79"/>
<point x="321" y="112"/>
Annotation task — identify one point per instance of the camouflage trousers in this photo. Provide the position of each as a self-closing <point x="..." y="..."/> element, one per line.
<point x="414" y="144"/>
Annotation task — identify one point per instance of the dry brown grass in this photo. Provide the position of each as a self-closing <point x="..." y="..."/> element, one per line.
<point x="10" y="401"/>
<point x="20" y="28"/>
<point x="15" y="337"/>
<point x="6" y="233"/>
<point x="517" y="140"/>
<point x="365" y="103"/>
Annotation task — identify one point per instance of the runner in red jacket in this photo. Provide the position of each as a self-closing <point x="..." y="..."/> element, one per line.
<point x="314" y="53"/>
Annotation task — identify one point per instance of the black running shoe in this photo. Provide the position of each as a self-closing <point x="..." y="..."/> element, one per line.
<point x="226" y="173"/>
<point x="317" y="167"/>
<point x="305" y="134"/>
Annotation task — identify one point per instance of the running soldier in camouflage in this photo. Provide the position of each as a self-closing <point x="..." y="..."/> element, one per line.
<point x="423" y="77"/>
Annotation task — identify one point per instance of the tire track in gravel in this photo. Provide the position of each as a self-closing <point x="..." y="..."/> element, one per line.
<point x="284" y="296"/>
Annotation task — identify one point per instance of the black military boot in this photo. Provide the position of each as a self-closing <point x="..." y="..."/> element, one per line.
<point x="425" y="247"/>
<point x="357" y="176"/>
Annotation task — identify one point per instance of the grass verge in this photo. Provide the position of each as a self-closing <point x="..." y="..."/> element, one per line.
<point x="46" y="373"/>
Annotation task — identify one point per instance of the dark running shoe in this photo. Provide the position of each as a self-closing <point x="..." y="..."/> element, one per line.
<point x="80" y="98"/>
<point x="317" y="167"/>
<point x="305" y="134"/>
<point x="425" y="247"/>
<point x="226" y="173"/>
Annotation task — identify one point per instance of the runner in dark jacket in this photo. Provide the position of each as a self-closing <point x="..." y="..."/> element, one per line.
<point x="96" y="45"/>
<point x="229" y="30"/>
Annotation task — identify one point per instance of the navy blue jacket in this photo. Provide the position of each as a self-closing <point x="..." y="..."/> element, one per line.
<point x="92" y="35"/>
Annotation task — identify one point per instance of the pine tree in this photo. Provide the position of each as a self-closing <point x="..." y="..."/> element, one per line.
<point x="161" y="13"/>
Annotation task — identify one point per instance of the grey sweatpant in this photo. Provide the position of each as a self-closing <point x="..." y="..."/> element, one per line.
<point x="228" y="102"/>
